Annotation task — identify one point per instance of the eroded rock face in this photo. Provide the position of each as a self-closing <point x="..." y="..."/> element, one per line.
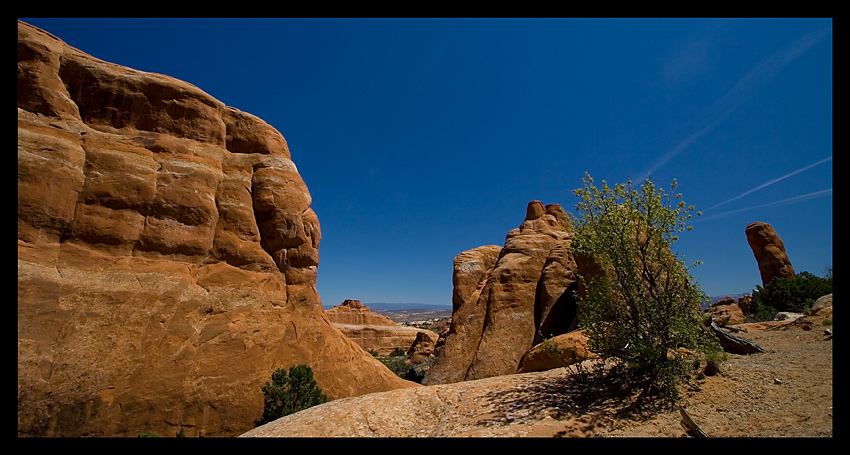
<point x="769" y="252"/>
<point x="505" y="297"/>
<point x="167" y="256"/>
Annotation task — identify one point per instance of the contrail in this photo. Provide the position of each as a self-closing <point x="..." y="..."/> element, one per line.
<point x="771" y="182"/>
<point x="733" y="98"/>
<point x="769" y="67"/>
<point x="771" y="204"/>
<point x="684" y="144"/>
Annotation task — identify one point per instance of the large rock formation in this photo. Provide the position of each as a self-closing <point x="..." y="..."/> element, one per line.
<point x="167" y="256"/>
<point x="506" y="299"/>
<point x="769" y="252"/>
<point x="374" y="332"/>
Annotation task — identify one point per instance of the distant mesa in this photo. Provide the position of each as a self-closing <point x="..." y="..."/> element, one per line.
<point x="376" y="333"/>
<point x="353" y="312"/>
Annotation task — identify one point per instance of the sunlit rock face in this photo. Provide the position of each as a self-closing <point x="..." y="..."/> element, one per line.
<point x="507" y="298"/>
<point x="167" y="256"/>
<point x="769" y="252"/>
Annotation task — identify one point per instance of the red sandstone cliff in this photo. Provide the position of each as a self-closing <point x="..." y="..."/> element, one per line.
<point x="167" y="256"/>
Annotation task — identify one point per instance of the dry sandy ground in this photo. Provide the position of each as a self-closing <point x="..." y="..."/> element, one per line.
<point x="785" y="391"/>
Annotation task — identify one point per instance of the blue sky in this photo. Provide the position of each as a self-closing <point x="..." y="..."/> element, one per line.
<point x="422" y="138"/>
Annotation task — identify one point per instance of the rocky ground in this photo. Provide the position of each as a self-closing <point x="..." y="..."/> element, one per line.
<point x="785" y="391"/>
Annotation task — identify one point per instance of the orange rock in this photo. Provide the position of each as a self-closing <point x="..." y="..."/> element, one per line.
<point x="500" y="298"/>
<point x="556" y="352"/>
<point x="726" y="311"/>
<point x="769" y="252"/>
<point x="374" y="332"/>
<point x="167" y="257"/>
<point x="456" y="347"/>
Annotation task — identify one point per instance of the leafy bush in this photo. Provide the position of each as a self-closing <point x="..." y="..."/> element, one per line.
<point x="396" y="363"/>
<point x="796" y="294"/>
<point x="287" y="394"/>
<point x="646" y="304"/>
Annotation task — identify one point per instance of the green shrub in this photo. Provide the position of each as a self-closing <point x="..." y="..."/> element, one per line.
<point x="287" y="394"/>
<point x="796" y="295"/>
<point x="396" y="363"/>
<point x="646" y="305"/>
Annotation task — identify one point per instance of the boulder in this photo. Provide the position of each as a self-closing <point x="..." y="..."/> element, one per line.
<point x="769" y="252"/>
<point x="167" y="257"/>
<point x="556" y="352"/>
<point x="745" y="302"/>
<point x="726" y="311"/>
<point x="822" y="307"/>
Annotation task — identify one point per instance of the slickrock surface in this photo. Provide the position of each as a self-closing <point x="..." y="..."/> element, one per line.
<point x="769" y="252"/>
<point x="785" y="391"/>
<point x="167" y="256"/>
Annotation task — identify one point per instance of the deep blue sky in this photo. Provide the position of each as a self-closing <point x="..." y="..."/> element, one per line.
<point x="422" y="138"/>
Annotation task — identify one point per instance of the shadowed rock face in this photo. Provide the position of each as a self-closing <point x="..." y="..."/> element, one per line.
<point x="769" y="252"/>
<point x="167" y="256"/>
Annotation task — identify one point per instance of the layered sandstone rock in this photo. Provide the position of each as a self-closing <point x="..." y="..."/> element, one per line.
<point x="769" y="252"/>
<point x="353" y="312"/>
<point x="374" y="332"/>
<point x="506" y="297"/>
<point x="167" y="256"/>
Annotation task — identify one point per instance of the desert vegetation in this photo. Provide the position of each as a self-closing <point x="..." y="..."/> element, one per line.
<point x="289" y="393"/>
<point x="645" y="306"/>
<point x="796" y="294"/>
<point x="398" y="363"/>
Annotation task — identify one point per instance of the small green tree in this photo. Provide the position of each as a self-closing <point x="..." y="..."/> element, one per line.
<point x="796" y="294"/>
<point x="289" y="393"/>
<point x="646" y="304"/>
